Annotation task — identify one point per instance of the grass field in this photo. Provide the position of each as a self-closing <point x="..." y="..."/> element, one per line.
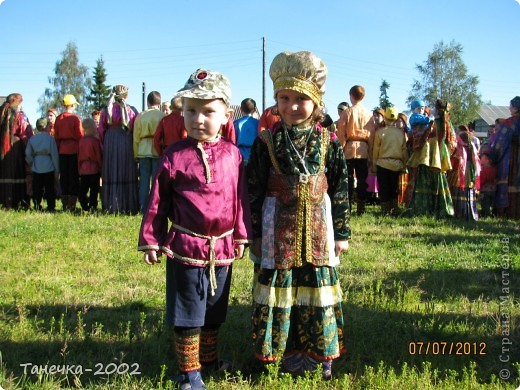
<point x="427" y="304"/>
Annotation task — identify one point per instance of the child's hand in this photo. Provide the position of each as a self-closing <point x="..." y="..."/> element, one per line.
<point x="239" y="251"/>
<point x="150" y="257"/>
<point x="340" y="246"/>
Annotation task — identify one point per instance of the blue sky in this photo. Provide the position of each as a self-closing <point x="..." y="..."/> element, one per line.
<point x="161" y="42"/>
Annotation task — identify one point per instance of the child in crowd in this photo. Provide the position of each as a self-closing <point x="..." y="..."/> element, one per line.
<point x="41" y="154"/>
<point x="488" y="175"/>
<point x="67" y="133"/>
<point x="418" y="116"/>
<point x="201" y="187"/>
<point x="246" y="128"/>
<point x="356" y="132"/>
<point x="389" y="157"/>
<point x="90" y="164"/>
<point x="298" y="188"/>
<point x="170" y="128"/>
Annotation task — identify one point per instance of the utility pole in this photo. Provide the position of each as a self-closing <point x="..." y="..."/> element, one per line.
<point x="263" y="74"/>
<point x="144" y="93"/>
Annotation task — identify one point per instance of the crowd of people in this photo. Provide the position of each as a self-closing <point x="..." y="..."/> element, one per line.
<point x="283" y="183"/>
<point x="427" y="167"/>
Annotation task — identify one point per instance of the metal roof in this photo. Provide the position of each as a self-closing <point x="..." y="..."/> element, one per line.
<point x="489" y="113"/>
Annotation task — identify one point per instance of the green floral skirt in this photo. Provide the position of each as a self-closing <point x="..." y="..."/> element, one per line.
<point x="297" y="311"/>
<point x="431" y="194"/>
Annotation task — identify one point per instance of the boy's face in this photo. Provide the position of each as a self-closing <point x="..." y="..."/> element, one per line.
<point x="203" y="118"/>
<point x="294" y="107"/>
<point x="419" y="110"/>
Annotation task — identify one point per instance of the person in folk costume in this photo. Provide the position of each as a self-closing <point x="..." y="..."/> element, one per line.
<point x="200" y="187"/>
<point x="432" y="145"/>
<point x="373" y="196"/>
<point x="402" y="124"/>
<point x="503" y="152"/>
<point x="14" y="128"/>
<point x="119" y="173"/>
<point x="170" y="128"/>
<point x="463" y="179"/>
<point x="389" y="158"/>
<point x="298" y="189"/>
<point x="356" y="132"/>
<point x="67" y="133"/>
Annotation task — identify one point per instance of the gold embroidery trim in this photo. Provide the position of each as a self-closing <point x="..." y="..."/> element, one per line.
<point x="207" y="170"/>
<point x="268" y="138"/>
<point x="303" y="207"/>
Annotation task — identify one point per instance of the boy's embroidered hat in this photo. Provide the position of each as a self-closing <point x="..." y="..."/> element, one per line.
<point x="302" y="72"/>
<point x="41" y="123"/>
<point x="207" y="84"/>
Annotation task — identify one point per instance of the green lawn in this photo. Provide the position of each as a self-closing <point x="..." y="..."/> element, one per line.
<point x="427" y="303"/>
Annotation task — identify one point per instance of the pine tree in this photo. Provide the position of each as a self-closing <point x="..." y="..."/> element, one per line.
<point x="99" y="92"/>
<point x="384" y="101"/>
<point x="445" y="76"/>
<point x="70" y="77"/>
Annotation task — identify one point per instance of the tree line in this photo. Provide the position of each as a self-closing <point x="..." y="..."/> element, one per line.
<point x="442" y="75"/>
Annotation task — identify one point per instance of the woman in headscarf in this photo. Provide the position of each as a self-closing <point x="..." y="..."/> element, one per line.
<point x="119" y="172"/>
<point x="503" y="150"/>
<point x="14" y="129"/>
<point x="464" y="176"/>
<point x="432" y="146"/>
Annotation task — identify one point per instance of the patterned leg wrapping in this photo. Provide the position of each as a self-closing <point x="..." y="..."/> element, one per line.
<point x="208" y="345"/>
<point x="187" y="344"/>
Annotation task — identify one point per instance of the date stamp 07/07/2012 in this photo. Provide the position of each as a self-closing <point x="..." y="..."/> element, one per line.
<point x="429" y="348"/>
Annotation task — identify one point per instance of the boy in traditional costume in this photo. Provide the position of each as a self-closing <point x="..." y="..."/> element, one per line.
<point x="200" y="187"/>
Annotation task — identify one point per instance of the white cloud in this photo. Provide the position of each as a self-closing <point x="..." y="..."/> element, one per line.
<point x="518" y="1"/>
<point x="1" y="1"/>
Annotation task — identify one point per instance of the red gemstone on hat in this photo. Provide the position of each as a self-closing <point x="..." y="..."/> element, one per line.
<point x="202" y="75"/>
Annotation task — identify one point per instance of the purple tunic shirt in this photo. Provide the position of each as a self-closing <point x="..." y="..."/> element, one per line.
<point x="180" y="193"/>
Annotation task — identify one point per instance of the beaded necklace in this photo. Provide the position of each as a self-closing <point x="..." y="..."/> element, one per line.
<point x="304" y="177"/>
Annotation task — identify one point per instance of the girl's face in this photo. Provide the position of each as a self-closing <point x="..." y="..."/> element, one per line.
<point x="51" y="118"/>
<point x="399" y="124"/>
<point x="203" y="118"/>
<point x="294" y="107"/>
<point x="378" y="118"/>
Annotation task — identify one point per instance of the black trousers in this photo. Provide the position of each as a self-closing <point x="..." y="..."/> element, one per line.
<point x="359" y="166"/>
<point x="89" y="191"/>
<point x="43" y="186"/>
<point x="388" y="182"/>
<point x="69" y="176"/>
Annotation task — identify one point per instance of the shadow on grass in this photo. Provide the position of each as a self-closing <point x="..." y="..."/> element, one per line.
<point x="457" y="284"/>
<point x="136" y="335"/>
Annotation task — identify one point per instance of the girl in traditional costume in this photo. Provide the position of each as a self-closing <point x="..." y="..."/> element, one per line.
<point x="463" y="179"/>
<point x="432" y="144"/>
<point x="297" y="182"/>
